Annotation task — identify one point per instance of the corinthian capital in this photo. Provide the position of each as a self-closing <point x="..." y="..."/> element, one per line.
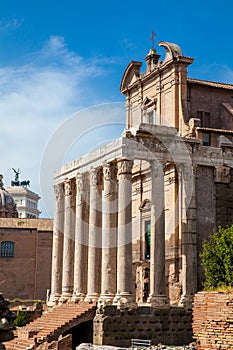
<point x="80" y="182"/>
<point x="58" y="192"/>
<point x="95" y="177"/>
<point x="125" y="166"/>
<point x="109" y="172"/>
<point x="68" y="187"/>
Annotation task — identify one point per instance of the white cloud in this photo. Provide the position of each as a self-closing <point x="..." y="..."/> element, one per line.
<point x="13" y="23"/>
<point x="37" y="96"/>
<point x="213" y="72"/>
<point x="57" y="47"/>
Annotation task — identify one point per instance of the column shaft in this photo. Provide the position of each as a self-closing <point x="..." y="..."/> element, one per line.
<point x="95" y="232"/>
<point x="109" y="236"/>
<point x="81" y="240"/>
<point x="157" y="256"/>
<point x="189" y="236"/>
<point x="68" y="246"/>
<point x="57" y="251"/>
<point x="124" y="297"/>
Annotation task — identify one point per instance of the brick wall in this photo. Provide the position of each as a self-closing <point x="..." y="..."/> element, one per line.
<point x="26" y="275"/>
<point x="213" y="320"/>
<point x="167" y="326"/>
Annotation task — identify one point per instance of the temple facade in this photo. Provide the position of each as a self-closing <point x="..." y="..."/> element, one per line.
<point x="130" y="217"/>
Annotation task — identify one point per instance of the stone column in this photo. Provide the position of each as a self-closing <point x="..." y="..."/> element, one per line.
<point x="57" y="252"/>
<point x="95" y="241"/>
<point x="68" y="246"/>
<point x="124" y="297"/>
<point x="157" y="297"/>
<point x="81" y="240"/>
<point x="188" y="235"/>
<point x="109" y="236"/>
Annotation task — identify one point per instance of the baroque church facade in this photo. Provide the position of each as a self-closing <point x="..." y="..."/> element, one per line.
<point x="130" y="217"/>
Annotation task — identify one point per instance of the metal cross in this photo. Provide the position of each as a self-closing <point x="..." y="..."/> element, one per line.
<point x="152" y="38"/>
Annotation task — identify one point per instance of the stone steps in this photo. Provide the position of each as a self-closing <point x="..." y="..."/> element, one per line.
<point x="50" y="325"/>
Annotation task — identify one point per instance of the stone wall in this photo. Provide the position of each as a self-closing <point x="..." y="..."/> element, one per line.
<point x="206" y="212"/>
<point x="213" y="320"/>
<point x="63" y="343"/>
<point x="117" y="327"/>
<point x="224" y="202"/>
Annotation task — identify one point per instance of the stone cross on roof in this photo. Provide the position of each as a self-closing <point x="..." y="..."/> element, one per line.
<point x="152" y="38"/>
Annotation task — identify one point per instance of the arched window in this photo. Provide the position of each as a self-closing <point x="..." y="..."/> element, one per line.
<point x="7" y="249"/>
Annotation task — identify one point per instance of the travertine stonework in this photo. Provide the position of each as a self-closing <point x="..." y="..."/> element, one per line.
<point x="143" y="204"/>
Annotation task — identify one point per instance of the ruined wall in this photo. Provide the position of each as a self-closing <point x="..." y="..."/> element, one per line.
<point x="224" y="202"/>
<point x="213" y="320"/>
<point x="118" y="327"/>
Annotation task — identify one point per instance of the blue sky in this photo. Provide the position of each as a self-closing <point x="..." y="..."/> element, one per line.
<point x="60" y="57"/>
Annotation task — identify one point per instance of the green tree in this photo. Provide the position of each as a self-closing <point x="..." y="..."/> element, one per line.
<point x="21" y="319"/>
<point x="217" y="259"/>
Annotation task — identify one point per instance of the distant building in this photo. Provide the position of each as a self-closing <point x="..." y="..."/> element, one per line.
<point x="26" y="201"/>
<point x="25" y="245"/>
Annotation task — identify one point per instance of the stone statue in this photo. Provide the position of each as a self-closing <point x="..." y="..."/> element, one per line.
<point x="1" y="182"/>
<point x="17" y="172"/>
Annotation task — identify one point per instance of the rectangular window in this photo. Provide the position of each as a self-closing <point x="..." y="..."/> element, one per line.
<point x="206" y="139"/>
<point x="204" y="118"/>
<point x="7" y="249"/>
<point x="189" y="93"/>
<point x="147" y="238"/>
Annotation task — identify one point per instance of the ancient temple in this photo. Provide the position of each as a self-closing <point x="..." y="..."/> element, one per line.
<point x="130" y="217"/>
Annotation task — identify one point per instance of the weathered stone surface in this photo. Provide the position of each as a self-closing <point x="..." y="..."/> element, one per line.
<point x="167" y="326"/>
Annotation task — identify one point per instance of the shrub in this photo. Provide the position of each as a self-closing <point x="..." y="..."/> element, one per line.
<point x="217" y="259"/>
<point x="21" y="319"/>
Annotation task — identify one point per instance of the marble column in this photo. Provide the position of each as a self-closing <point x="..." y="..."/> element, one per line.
<point x="68" y="245"/>
<point x="188" y="235"/>
<point x="124" y="297"/>
<point x="57" y="251"/>
<point x="95" y="239"/>
<point x="81" y="240"/>
<point x="109" y="236"/>
<point x="157" y="297"/>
